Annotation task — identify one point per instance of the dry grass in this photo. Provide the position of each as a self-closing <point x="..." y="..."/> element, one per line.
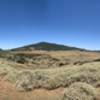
<point x="49" y="78"/>
<point x="53" y="59"/>
<point x="54" y="78"/>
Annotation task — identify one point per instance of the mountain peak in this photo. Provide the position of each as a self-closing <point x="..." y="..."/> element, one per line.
<point x="47" y="47"/>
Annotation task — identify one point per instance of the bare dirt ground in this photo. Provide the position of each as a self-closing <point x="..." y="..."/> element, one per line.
<point x="8" y="92"/>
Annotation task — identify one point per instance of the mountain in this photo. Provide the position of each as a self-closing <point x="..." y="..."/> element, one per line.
<point x="46" y="46"/>
<point x="1" y="49"/>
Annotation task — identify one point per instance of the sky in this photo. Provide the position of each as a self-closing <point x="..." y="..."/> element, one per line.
<point x="69" y="22"/>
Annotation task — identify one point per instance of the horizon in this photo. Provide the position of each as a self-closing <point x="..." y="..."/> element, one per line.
<point x="74" y="23"/>
<point x="48" y="43"/>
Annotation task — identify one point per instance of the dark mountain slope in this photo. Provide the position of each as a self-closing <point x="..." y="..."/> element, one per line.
<point x="46" y="46"/>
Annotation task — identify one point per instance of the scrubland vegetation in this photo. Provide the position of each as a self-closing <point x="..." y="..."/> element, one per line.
<point x="80" y="91"/>
<point x="53" y="78"/>
<point x="76" y="73"/>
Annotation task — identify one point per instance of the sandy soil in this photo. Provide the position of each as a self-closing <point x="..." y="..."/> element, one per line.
<point x="8" y="92"/>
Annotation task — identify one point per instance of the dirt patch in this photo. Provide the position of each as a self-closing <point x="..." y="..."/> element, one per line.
<point x="8" y="92"/>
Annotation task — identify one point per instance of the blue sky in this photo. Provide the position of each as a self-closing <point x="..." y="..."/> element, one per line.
<point x="69" y="22"/>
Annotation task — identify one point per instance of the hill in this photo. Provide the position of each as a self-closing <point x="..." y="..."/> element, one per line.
<point x="1" y="49"/>
<point x="46" y="47"/>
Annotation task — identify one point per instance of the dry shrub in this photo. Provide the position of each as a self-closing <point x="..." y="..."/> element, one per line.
<point x="80" y="91"/>
<point x="27" y="80"/>
<point x="24" y="82"/>
<point x="52" y="79"/>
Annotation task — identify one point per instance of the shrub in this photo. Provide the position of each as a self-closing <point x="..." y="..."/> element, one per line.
<point x="80" y="91"/>
<point x="25" y="81"/>
<point x="52" y="79"/>
<point x="20" y="60"/>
